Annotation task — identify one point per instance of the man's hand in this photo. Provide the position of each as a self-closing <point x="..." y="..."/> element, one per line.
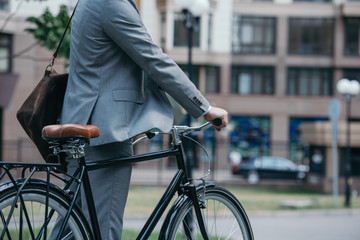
<point x="219" y="113"/>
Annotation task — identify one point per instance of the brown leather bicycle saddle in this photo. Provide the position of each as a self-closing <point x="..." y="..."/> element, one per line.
<point x="70" y="130"/>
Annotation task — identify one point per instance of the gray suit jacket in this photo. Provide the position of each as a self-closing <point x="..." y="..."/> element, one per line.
<point x="110" y="49"/>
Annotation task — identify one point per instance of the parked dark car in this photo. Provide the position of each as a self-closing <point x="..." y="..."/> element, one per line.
<point x="270" y="168"/>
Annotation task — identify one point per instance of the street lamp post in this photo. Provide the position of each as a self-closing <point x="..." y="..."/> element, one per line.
<point x="349" y="89"/>
<point x="192" y="10"/>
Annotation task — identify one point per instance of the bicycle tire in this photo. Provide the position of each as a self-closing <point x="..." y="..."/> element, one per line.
<point x="33" y="216"/>
<point x="234" y="223"/>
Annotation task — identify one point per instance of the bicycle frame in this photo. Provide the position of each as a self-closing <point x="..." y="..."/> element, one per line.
<point x="180" y="184"/>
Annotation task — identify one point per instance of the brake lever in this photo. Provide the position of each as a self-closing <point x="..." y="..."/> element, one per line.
<point x="148" y="135"/>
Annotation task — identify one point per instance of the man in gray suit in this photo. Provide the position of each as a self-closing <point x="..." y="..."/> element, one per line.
<point x="110" y="50"/>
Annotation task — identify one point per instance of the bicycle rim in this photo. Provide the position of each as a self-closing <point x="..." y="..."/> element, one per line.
<point x="27" y="219"/>
<point x="224" y="218"/>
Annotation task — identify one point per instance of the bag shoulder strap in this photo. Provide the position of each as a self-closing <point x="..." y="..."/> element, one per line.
<point x="62" y="38"/>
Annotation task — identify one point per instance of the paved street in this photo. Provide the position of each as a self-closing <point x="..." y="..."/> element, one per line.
<point x="312" y="225"/>
<point x="281" y="225"/>
<point x="296" y="225"/>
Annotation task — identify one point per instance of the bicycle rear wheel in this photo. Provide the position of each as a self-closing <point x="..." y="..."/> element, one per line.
<point x="224" y="218"/>
<point x="25" y="217"/>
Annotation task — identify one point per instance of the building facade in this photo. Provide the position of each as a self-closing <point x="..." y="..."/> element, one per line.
<point x="273" y="65"/>
<point x="22" y="65"/>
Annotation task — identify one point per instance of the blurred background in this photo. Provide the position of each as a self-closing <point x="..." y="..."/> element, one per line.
<point x="274" y="65"/>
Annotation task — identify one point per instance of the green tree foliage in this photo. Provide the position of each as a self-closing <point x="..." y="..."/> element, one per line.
<point x="49" y="29"/>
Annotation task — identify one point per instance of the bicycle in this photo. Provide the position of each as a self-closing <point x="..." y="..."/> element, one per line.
<point x="30" y="207"/>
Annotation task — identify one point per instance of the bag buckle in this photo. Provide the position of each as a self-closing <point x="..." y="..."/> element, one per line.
<point x="51" y="64"/>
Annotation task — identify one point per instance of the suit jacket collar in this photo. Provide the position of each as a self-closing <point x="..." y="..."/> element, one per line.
<point x="134" y="5"/>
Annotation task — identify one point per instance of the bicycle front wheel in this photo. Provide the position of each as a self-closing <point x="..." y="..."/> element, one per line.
<point x="33" y="215"/>
<point x="224" y="218"/>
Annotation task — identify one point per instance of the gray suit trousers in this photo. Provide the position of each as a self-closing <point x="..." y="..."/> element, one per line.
<point x="110" y="188"/>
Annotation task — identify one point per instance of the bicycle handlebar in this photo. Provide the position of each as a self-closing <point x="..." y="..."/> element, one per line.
<point x="182" y="130"/>
<point x="217" y="122"/>
<point x="187" y="129"/>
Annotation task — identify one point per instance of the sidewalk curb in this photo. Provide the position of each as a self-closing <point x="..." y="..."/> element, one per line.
<point x="304" y="213"/>
<point x="283" y="213"/>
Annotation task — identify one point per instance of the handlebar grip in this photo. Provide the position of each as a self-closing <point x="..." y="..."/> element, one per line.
<point x="217" y="122"/>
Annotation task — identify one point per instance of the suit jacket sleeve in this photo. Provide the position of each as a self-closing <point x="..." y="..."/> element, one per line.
<point x="122" y="23"/>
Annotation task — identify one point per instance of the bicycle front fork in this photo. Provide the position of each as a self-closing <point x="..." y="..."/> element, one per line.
<point x="197" y="208"/>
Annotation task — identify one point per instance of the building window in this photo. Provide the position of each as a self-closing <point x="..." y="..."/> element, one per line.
<point x="352" y="36"/>
<point x="5" y="53"/>
<point x="254" y="35"/>
<point x="352" y="74"/>
<point x="354" y="161"/>
<point x="252" y="80"/>
<point x="4" y="5"/>
<point x="208" y="141"/>
<point x="181" y="32"/>
<point x="310" y="82"/>
<point x="299" y="150"/>
<point x="250" y="136"/>
<point x="195" y="73"/>
<point x="311" y="36"/>
<point x="212" y="79"/>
